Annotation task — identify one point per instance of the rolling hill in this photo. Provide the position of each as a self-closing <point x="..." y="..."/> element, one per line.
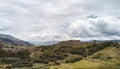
<point x="71" y="54"/>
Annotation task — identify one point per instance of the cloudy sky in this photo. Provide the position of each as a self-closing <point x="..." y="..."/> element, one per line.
<point x="56" y="20"/>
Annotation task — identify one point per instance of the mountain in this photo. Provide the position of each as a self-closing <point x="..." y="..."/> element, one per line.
<point x="12" y="40"/>
<point x="71" y="54"/>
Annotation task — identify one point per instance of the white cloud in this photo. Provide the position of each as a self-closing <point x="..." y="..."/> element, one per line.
<point x="96" y="28"/>
<point x="49" y="20"/>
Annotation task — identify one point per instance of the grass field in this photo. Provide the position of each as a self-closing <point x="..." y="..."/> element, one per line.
<point x="100" y="63"/>
<point x="62" y="58"/>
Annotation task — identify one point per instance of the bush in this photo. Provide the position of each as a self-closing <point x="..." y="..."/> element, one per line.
<point x="23" y="54"/>
<point x="22" y="63"/>
<point x="74" y="60"/>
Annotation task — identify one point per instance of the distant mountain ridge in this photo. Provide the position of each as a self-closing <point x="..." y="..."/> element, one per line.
<point x="68" y="42"/>
<point x="8" y="39"/>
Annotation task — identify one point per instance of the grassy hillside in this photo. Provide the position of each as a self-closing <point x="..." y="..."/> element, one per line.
<point x="108" y="58"/>
<point x="64" y="55"/>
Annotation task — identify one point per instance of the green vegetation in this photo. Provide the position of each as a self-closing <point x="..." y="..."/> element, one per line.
<point x="107" y="58"/>
<point x="64" y="55"/>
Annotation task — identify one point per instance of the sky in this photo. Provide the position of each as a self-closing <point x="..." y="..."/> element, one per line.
<point x="58" y="20"/>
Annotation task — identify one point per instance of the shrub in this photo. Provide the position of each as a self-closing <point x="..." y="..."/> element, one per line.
<point x="74" y="60"/>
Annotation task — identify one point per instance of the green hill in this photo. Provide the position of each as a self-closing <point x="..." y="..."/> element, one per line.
<point x="63" y="55"/>
<point x="108" y="58"/>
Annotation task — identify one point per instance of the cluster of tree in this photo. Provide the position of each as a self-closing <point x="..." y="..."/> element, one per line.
<point x="19" y="58"/>
<point x="23" y="54"/>
<point x="48" y="56"/>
